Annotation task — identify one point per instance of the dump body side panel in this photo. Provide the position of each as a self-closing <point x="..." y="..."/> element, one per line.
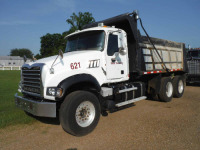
<point x="172" y="54"/>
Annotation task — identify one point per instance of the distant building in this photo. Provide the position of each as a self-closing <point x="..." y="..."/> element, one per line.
<point x="12" y="62"/>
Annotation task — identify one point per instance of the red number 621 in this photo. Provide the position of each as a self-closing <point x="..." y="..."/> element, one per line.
<point x="75" y="65"/>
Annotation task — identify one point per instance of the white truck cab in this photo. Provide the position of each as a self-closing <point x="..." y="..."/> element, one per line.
<point x="100" y="52"/>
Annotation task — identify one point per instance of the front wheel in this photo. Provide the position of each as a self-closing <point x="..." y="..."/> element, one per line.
<point x="80" y="113"/>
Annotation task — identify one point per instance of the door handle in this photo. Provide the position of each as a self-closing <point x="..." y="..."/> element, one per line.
<point x="113" y="59"/>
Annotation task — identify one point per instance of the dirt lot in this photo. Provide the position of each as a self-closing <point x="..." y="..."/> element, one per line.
<point x="148" y="125"/>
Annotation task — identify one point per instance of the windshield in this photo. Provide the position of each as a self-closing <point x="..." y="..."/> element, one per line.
<point x="91" y="40"/>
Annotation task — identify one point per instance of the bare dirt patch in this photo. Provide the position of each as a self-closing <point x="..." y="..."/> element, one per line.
<point x="148" y="125"/>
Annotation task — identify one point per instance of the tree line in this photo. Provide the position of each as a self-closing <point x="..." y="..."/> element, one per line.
<point x="51" y="43"/>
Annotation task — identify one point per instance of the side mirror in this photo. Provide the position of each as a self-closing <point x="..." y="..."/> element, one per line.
<point x="25" y="58"/>
<point x="61" y="53"/>
<point x="122" y="51"/>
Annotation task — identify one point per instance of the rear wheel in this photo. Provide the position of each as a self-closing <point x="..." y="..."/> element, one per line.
<point x="166" y="90"/>
<point x="178" y="84"/>
<point x="80" y="113"/>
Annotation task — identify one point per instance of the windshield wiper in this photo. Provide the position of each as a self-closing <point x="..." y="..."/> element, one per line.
<point x="69" y="51"/>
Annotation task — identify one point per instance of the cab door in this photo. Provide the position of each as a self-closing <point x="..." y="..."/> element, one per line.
<point x="116" y="63"/>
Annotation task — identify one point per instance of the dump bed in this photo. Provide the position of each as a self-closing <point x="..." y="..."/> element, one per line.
<point x="143" y="59"/>
<point x="172" y="54"/>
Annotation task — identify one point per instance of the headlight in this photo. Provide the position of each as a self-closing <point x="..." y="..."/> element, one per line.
<point x="54" y="91"/>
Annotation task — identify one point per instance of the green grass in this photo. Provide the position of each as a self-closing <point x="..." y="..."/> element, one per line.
<point x="9" y="114"/>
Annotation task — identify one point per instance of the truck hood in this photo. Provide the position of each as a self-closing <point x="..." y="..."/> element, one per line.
<point x="69" y="56"/>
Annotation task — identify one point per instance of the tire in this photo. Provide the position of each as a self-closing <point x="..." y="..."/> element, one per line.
<point x="178" y="84"/>
<point x="79" y="113"/>
<point x="166" y="90"/>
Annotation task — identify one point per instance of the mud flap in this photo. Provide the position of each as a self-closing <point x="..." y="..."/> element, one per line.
<point x="155" y="84"/>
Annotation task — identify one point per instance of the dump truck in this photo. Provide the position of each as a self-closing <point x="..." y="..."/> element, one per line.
<point x="193" y="61"/>
<point x="106" y="66"/>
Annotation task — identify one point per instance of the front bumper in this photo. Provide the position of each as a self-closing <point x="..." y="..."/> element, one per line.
<point x="37" y="108"/>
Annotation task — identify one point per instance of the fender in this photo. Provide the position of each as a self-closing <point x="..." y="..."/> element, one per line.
<point x="79" y="78"/>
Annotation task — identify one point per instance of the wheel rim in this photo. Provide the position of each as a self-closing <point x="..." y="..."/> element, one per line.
<point x="180" y="86"/>
<point x="85" y="114"/>
<point x="169" y="89"/>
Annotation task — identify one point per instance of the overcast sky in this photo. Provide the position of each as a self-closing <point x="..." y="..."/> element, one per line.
<point x="23" y="22"/>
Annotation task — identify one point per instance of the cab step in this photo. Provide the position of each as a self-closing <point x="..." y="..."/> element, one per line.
<point x="130" y="101"/>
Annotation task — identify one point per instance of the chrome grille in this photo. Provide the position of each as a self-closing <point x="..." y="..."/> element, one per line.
<point x="31" y="81"/>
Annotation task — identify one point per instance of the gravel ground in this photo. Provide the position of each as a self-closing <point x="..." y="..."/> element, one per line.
<point x="148" y="125"/>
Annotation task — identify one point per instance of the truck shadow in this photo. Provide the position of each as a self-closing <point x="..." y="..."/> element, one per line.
<point x="116" y="109"/>
<point x="53" y="121"/>
<point x="121" y="108"/>
<point x="153" y="98"/>
<point x="46" y="120"/>
<point x="193" y="84"/>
